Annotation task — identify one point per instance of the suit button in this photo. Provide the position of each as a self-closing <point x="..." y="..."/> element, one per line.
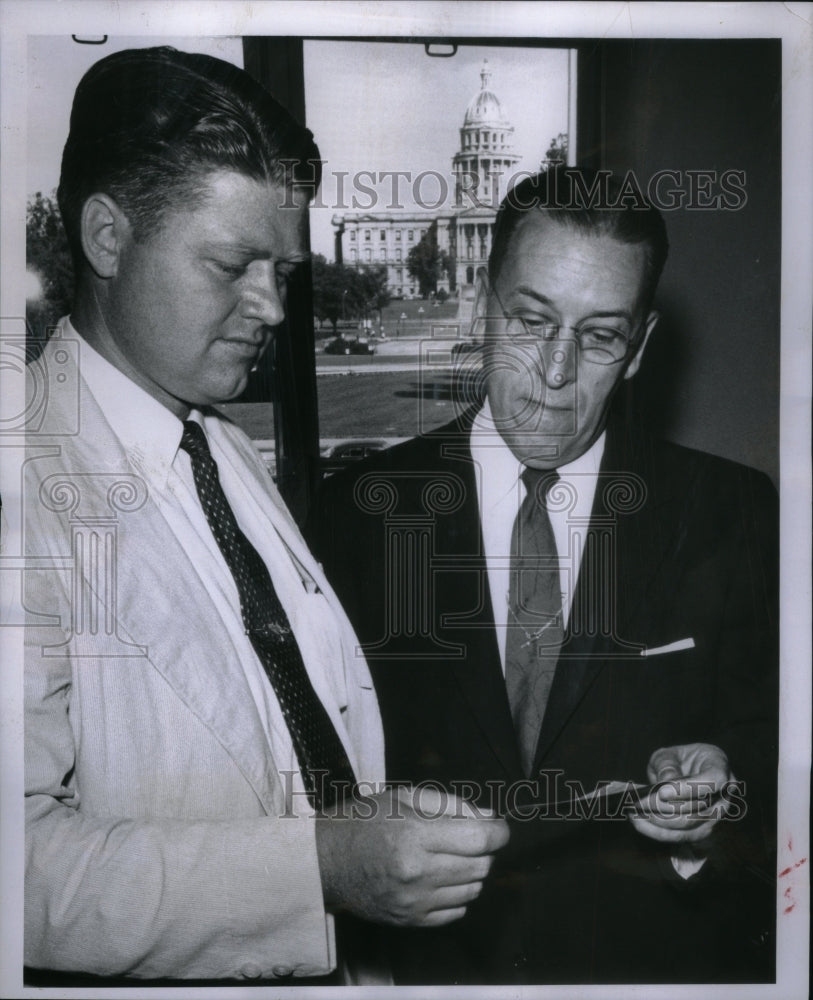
<point x="282" y="970"/>
<point x="251" y="971"/>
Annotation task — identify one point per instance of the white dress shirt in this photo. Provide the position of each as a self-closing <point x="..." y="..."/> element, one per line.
<point x="153" y="445"/>
<point x="501" y="492"/>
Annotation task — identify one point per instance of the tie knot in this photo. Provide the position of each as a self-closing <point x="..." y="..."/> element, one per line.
<point x="538" y="482"/>
<point x="194" y="440"/>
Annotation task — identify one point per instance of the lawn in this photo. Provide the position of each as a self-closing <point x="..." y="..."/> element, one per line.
<point x="376" y="404"/>
<point x="383" y="404"/>
<point x="443" y="310"/>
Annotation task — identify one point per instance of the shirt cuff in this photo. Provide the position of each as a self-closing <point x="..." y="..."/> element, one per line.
<point x="686" y="861"/>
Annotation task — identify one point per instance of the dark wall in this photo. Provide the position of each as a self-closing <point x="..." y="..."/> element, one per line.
<point x="711" y="375"/>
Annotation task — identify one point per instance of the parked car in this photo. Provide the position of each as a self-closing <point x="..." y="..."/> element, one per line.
<point x="353" y="450"/>
<point x="346" y="345"/>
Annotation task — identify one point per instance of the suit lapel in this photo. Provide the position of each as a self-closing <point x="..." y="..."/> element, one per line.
<point x="626" y="555"/>
<point x="463" y="601"/>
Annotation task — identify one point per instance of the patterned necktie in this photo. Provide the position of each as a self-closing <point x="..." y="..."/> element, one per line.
<point x="535" y="630"/>
<point x="322" y="758"/>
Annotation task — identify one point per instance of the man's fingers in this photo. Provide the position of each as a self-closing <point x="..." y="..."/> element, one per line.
<point x="451" y="870"/>
<point x="430" y="802"/>
<point x="440" y="917"/>
<point x="672" y="834"/>
<point x="451" y="897"/>
<point x="453" y="825"/>
<point x="695" y="796"/>
<point x="466" y="837"/>
<point x="450" y="904"/>
<point x="695" y="761"/>
<point x="687" y="822"/>
<point x="682" y="814"/>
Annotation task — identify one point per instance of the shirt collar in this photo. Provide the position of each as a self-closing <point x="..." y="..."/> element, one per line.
<point x="490" y="450"/>
<point x="149" y="433"/>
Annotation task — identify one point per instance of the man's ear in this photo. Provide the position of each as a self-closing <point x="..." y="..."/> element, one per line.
<point x="635" y="364"/>
<point x="105" y="231"/>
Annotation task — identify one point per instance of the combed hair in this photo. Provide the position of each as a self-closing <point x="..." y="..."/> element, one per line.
<point x="148" y="124"/>
<point x="589" y="201"/>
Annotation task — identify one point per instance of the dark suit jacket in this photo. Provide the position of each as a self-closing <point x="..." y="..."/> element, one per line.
<point x="681" y="545"/>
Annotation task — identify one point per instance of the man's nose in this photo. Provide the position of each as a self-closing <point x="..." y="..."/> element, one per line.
<point x="559" y="360"/>
<point x="263" y="296"/>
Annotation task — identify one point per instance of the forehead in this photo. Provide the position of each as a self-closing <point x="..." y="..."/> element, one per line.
<point x="231" y="209"/>
<point x="574" y="266"/>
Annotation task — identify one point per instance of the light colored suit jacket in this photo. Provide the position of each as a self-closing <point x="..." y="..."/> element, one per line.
<point x="161" y="841"/>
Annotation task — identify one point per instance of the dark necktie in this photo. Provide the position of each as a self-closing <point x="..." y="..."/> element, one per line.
<point x="535" y="629"/>
<point x="322" y="758"/>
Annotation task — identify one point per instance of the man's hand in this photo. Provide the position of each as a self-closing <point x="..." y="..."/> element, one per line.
<point x="688" y="805"/>
<point x="418" y="860"/>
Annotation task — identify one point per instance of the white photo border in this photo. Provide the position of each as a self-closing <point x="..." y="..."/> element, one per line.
<point x="789" y="21"/>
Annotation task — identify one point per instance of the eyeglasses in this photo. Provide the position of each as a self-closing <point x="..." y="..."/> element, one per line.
<point x="596" y="342"/>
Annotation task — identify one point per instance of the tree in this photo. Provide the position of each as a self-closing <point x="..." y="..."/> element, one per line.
<point x="49" y="258"/>
<point x="372" y="282"/>
<point x="557" y="152"/>
<point x="426" y="262"/>
<point x="341" y="292"/>
<point x="334" y="294"/>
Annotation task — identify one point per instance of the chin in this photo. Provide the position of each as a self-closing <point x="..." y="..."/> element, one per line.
<point x="540" y="454"/>
<point x="230" y="392"/>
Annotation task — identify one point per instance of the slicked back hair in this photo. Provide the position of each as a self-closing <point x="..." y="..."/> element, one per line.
<point x="588" y="201"/>
<point x="147" y="126"/>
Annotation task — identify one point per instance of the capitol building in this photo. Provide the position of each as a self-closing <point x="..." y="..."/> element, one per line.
<point x="481" y="170"/>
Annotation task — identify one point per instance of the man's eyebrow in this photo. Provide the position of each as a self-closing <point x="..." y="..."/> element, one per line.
<point x="297" y="257"/>
<point x="595" y="314"/>
<point x="532" y="293"/>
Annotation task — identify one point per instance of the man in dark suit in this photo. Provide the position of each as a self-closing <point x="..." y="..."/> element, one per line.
<point x="552" y="602"/>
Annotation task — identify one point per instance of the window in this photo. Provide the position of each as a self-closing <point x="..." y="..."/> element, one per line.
<point x="367" y="235"/>
<point x="368" y="254"/>
<point x="399" y="212"/>
<point x="352" y="234"/>
<point x="382" y="253"/>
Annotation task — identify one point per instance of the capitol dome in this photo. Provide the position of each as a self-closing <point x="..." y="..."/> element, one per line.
<point x="484" y="108"/>
<point x="486" y="156"/>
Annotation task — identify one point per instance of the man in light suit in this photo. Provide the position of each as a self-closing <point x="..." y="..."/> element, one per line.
<point x="656" y="662"/>
<point x="195" y="711"/>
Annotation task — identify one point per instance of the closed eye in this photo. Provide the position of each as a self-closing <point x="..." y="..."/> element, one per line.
<point x="600" y="336"/>
<point x="538" y="326"/>
<point x="228" y="269"/>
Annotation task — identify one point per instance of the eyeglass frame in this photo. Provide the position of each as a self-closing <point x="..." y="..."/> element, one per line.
<point x="633" y="342"/>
